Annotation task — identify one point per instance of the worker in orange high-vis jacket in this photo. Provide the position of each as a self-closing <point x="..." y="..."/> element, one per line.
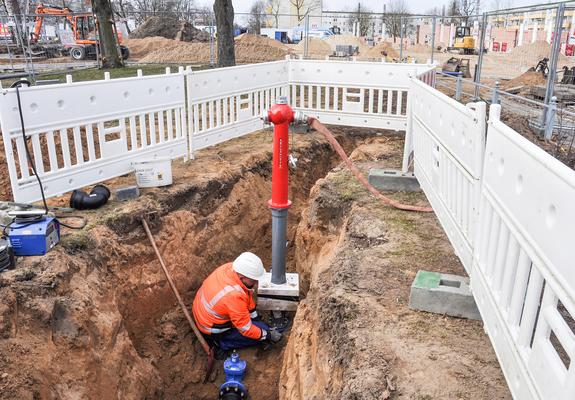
<point x="225" y="309"/>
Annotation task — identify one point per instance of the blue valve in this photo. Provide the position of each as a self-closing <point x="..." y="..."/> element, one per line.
<point x="233" y="388"/>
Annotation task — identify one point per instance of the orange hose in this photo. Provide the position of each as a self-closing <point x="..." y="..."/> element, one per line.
<point x="318" y="126"/>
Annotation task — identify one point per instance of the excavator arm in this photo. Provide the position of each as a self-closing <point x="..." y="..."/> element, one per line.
<point x="50" y="10"/>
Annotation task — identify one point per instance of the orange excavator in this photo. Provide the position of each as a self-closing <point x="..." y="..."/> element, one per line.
<point x="84" y="29"/>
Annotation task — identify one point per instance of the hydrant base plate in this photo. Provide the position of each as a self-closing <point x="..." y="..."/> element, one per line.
<point x="290" y="288"/>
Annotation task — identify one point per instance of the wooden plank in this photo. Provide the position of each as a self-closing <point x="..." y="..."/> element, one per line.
<point x="267" y="304"/>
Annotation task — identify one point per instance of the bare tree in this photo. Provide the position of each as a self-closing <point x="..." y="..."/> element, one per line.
<point x="143" y="9"/>
<point x="361" y="17"/>
<point x="304" y="7"/>
<point x="106" y="33"/>
<point x="122" y="9"/>
<point x="224" y="11"/>
<point x="274" y="7"/>
<point x="256" y="18"/>
<point x="453" y="9"/>
<point x="468" y="8"/>
<point x="394" y="18"/>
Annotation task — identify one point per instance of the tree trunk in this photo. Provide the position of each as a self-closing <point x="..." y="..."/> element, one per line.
<point x="224" y="11"/>
<point x="108" y="40"/>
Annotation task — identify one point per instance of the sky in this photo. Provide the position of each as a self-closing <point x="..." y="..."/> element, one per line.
<point x="415" y="6"/>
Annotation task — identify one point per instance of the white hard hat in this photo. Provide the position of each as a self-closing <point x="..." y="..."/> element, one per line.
<point x="249" y="265"/>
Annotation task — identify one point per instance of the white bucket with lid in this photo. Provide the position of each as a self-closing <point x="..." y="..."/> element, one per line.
<point x="153" y="173"/>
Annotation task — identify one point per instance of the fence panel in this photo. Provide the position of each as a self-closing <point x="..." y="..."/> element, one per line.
<point x="368" y="94"/>
<point x="523" y="278"/>
<point x="228" y="102"/>
<point x="82" y="133"/>
<point x="449" y="141"/>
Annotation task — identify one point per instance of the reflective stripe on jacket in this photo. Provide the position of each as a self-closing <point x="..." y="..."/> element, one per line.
<point x="223" y="302"/>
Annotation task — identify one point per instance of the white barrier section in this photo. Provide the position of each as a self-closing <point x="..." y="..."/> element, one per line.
<point x="366" y="94"/>
<point x="449" y="141"/>
<point x="523" y="278"/>
<point x="225" y="103"/>
<point x="86" y="132"/>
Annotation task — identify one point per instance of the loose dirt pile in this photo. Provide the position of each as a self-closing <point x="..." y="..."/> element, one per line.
<point x="317" y="48"/>
<point x="254" y="48"/>
<point x="529" y="78"/>
<point x="531" y="53"/>
<point x="380" y="50"/>
<point x="420" y="48"/>
<point x="140" y="48"/>
<point x="170" y="28"/>
<point x="248" y="49"/>
<point x="348" y="40"/>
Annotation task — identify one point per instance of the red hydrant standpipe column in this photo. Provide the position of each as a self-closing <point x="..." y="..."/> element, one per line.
<point x="281" y="115"/>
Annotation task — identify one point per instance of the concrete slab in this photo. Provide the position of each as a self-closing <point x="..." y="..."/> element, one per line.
<point x="290" y="288"/>
<point x="393" y="180"/>
<point x="443" y="294"/>
<point x="126" y="193"/>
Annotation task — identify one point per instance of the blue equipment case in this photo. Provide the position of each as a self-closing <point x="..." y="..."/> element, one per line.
<point x="34" y="238"/>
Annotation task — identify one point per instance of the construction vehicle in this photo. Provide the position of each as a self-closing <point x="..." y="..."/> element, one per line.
<point x="455" y="65"/>
<point x="84" y="28"/>
<point x="463" y="43"/>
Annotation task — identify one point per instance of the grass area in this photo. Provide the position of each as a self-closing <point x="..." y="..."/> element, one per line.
<point x="92" y="74"/>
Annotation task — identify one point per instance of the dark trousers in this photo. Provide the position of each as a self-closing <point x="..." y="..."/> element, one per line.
<point x="233" y="339"/>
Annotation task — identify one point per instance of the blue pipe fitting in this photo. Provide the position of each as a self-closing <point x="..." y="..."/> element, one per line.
<point x="233" y="388"/>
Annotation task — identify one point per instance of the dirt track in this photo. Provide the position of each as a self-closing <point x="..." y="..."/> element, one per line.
<point x="95" y="318"/>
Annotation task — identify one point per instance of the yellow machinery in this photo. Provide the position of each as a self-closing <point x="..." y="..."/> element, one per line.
<point x="464" y="43"/>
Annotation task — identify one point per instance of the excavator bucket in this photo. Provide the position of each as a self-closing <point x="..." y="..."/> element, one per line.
<point x="455" y="65"/>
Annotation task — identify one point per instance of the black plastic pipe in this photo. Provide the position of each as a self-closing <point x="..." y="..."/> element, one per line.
<point x="97" y="197"/>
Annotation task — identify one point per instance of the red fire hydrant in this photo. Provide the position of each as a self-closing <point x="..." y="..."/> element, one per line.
<point x="281" y="115"/>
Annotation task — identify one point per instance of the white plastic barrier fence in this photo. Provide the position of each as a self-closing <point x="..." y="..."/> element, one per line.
<point x="428" y="77"/>
<point x="228" y="102"/>
<point x="449" y="141"/>
<point x="86" y="132"/>
<point x="523" y="277"/>
<point x="366" y="94"/>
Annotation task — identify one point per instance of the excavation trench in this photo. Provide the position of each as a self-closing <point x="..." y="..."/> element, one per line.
<point x="193" y="243"/>
<point x="96" y="319"/>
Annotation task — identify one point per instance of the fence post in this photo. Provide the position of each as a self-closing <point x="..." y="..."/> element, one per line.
<point x="433" y="37"/>
<point x="212" y="52"/>
<point x="306" y="43"/>
<point x="477" y="77"/>
<point x="400" y="39"/>
<point x="555" y="49"/>
<point x="495" y="96"/>
<point x="458" y="86"/>
<point x="550" y="118"/>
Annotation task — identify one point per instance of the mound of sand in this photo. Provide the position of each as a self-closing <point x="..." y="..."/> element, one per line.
<point x="381" y="50"/>
<point x="248" y="49"/>
<point x="170" y="28"/>
<point x="140" y="48"/>
<point x="317" y="48"/>
<point x="349" y="40"/>
<point x="419" y="48"/>
<point x="531" y="53"/>
<point x="253" y="49"/>
<point x="250" y="39"/>
<point x="529" y="78"/>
